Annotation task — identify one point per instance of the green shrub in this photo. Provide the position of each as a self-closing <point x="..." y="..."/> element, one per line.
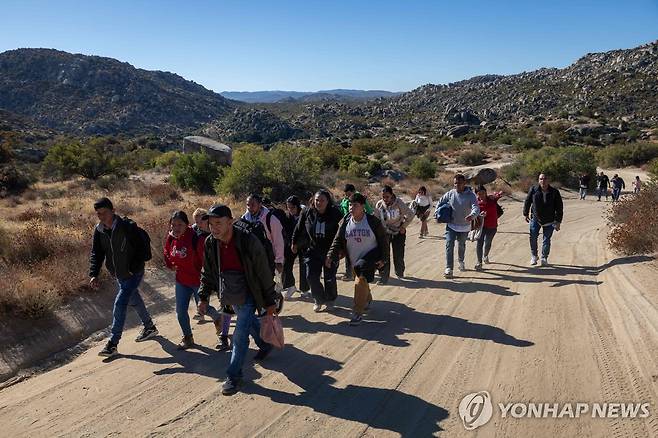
<point x="330" y="154"/>
<point x="167" y="160"/>
<point x="423" y="168"/>
<point x="195" y="172"/>
<point x="472" y="156"/>
<point x="623" y="155"/>
<point x="91" y="160"/>
<point x="283" y="170"/>
<point x="563" y="165"/>
<point x="140" y="159"/>
<point x="652" y="169"/>
<point x="12" y="180"/>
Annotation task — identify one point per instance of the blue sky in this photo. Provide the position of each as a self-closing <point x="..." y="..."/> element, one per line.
<point x="311" y="45"/>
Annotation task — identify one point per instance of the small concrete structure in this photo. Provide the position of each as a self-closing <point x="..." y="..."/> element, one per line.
<point x="221" y="152"/>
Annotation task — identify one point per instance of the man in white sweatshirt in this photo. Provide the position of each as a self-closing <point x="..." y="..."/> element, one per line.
<point x="396" y="217"/>
<point x="465" y="208"/>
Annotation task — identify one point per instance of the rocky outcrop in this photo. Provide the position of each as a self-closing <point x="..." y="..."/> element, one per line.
<point x="220" y="152"/>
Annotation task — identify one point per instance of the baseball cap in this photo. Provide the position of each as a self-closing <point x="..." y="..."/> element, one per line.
<point x="218" y="210"/>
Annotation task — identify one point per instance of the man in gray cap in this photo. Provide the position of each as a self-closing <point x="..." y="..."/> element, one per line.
<point x="237" y="268"/>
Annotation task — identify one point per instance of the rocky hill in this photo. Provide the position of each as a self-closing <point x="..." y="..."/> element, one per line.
<point x="306" y="96"/>
<point x="93" y="95"/>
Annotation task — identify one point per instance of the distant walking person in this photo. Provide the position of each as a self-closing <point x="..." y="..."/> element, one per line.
<point x="464" y="205"/>
<point x="315" y="231"/>
<point x="119" y="244"/>
<point x="348" y="191"/>
<point x="183" y="254"/>
<point x="423" y="201"/>
<point x="363" y="239"/>
<point x="236" y="267"/>
<point x="294" y="211"/>
<point x="489" y="209"/>
<point x="618" y="185"/>
<point x="396" y="217"/>
<point x="637" y="185"/>
<point x="583" y="183"/>
<point x="602" y="185"/>
<point x="545" y="203"/>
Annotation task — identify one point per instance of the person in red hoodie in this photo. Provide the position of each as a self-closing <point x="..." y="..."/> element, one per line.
<point x="489" y="210"/>
<point x="183" y="253"/>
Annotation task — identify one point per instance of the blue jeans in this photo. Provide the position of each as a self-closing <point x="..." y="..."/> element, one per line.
<point x="183" y="295"/>
<point x="547" y="231"/>
<point x="452" y="235"/>
<point x="615" y="193"/>
<point x="128" y="295"/>
<point x="600" y="192"/>
<point x="247" y="324"/>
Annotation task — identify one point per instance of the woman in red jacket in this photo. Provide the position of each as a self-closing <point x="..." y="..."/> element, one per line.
<point x="489" y="210"/>
<point x="183" y="253"/>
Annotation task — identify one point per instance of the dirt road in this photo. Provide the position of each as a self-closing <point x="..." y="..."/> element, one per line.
<point x="583" y="330"/>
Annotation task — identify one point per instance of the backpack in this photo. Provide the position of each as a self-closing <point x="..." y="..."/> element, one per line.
<point x="282" y="217"/>
<point x="258" y="230"/>
<point x="144" y="241"/>
<point x="443" y="213"/>
<point x="499" y="210"/>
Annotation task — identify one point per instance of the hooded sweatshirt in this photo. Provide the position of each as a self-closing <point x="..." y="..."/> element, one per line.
<point x="185" y="253"/>
<point x="394" y="216"/>
<point x="463" y="204"/>
<point x="274" y="233"/>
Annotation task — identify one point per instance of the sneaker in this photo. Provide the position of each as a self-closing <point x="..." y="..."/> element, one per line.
<point x="223" y="343"/>
<point x="110" y="350"/>
<point x="199" y="317"/>
<point x="478" y="266"/>
<point x="147" y="333"/>
<point x="231" y="386"/>
<point x="262" y="354"/>
<point x="382" y="282"/>
<point x="279" y="300"/>
<point x="306" y="295"/>
<point x="400" y="276"/>
<point x="290" y="292"/>
<point x="448" y="273"/>
<point x="346" y="277"/>
<point x="544" y="261"/>
<point x="486" y="260"/>
<point x="533" y="260"/>
<point x="329" y="305"/>
<point x="356" y="319"/>
<point x="317" y="308"/>
<point x="462" y="267"/>
<point x="185" y="343"/>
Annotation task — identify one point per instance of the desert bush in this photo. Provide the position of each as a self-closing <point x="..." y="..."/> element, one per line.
<point x="195" y="172"/>
<point x="139" y="159"/>
<point x="472" y="156"/>
<point x="12" y="180"/>
<point x="160" y="194"/>
<point x="652" y="169"/>
<point x="423" y="168"/>
<point x="623" y="155"/>
<point x="634" y="224"/>
<point x="562" y="165"/>
<point x="93" y="159"/>
<point x="249" y="172"/>
<point x="167" y="160"/>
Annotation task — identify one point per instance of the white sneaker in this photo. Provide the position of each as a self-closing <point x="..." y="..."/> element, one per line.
<point x="290" y="291"/>
<point x="462" y="267"/>
<point x="448" y="273"/>
<point x="544" y="261"/>
<point x="317" y="308"/>
<point x="533" y="260"/>
<point x="486" y="259"/>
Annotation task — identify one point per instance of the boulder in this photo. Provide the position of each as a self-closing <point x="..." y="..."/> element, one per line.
<point x="221" y="152"/>
<point x="458" y="131"/>
<point x="482" y="176"/>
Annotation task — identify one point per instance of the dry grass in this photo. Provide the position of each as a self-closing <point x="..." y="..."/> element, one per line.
<point x="45" y="237"/>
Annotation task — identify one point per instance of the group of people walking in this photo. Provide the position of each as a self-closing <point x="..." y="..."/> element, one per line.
<point x="248" y="262"/>
<point x="604" y="184"/>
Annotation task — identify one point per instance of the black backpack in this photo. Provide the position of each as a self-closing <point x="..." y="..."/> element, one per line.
<point x="282" y="217"/>
<point x="258" y="230"/>
<point x="499" y="209"/>
<point x="144" y="241"/>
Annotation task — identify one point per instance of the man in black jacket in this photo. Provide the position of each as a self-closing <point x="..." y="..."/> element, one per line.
<point x="239" y="258"/>
<point x="545" y="203"/>
<point x="118" y="243"/>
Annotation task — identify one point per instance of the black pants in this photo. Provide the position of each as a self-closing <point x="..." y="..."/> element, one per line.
<point x="397" y="242"/>
<point x="288" y="277"/>
<point x="365" y="266"/>
<point x="314" y="269"/>
<point x="484" y="242"/>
